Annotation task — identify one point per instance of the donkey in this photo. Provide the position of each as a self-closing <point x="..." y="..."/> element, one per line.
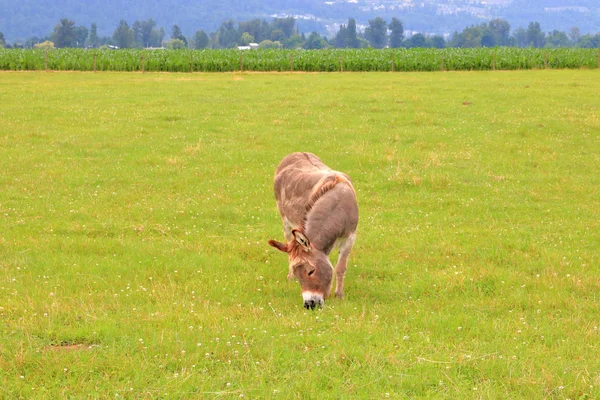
<point x="319" y="212"/>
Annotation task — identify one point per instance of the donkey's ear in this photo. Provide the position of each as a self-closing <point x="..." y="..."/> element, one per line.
<point x="302" y="240"/>
<point x="279" y="246"/>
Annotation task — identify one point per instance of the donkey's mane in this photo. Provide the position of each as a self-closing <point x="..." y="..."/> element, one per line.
<point x="329" y="183"/>
<point x="294" y="249"/>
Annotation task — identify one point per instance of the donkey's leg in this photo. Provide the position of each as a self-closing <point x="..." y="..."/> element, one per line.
<point x="340" y="268"/>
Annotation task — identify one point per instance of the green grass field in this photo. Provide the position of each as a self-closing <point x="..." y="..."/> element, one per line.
<point x="135" y="211"/>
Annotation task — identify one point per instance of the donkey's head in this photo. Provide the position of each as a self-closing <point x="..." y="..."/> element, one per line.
<point x="311" y="266"/>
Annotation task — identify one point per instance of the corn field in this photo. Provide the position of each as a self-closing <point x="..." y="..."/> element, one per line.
<point x="451" y="59"/>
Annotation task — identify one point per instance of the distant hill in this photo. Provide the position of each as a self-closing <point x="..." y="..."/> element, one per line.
<point x="22" y="19"/>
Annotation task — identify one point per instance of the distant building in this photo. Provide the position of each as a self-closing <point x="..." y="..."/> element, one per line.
<point x="251" y="46"/>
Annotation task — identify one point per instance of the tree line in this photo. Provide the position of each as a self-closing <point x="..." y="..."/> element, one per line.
<point x="282" y="33"/>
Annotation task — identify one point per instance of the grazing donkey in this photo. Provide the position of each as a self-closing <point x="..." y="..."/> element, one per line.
<point x="319" y="212"/>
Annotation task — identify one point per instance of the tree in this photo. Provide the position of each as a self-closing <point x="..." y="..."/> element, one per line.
<point x="255" y="27"/>
<point x="346" y="37"/>
<point x="469" y="37"/>
<point x="574" y="34"/>
<point x="397" y="33"/>
<point x="293" y="42"/>
<point x="200" y="40"/>
<point x="501" y="30"/>
<point x="270" y="44"/>
<point x="176" y="34"/>
<point x="535" y="36"/>
<point x="142" y="31"/>
<point x="32" y="41"/>
<point x="246" y="39"/>
<point x="81" y="33"/>
<point x="376" y="33"/>
<point x="2" y="40"/>
<point x="314" y="41"/>
<point x="286" y="25"/>
<point x="520" y="36"/>
<point x="64" y="34"/>
<point x="589" y="42"/>
<point x="488" y="39"/>
<point x="557" y="38"/>
<point x="227" y="36"/>
<point x="277" y="35"/>
<point x="176" y="44"/>
<point x="437" y="41"/>
<point x="351" y="39"/>
<point x="416" y="40"/>
<point x="363" y="43"/>
<point x="123" y="35"/>
<point x="156" y="37"/>
<point x="340" y="37"/>
<point x="213" y="40"/>
<point x="93" y="38"/>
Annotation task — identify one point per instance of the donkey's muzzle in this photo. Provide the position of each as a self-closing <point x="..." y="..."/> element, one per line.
<point x="310" y="304"/>
<point x="312" y="300"/>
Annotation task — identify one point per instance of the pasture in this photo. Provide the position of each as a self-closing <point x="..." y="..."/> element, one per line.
<point x="135" y="211"/>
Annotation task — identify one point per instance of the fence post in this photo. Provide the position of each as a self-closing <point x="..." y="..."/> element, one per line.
<point x="598" y="58"/>
<point x="342" y="64"/>
<point x="143" y="62"/>
<point x="241" y="62"/>
<point x="393" y="61"/>
<point x="494" y="60"/>
<point x="191" y="65"/>
<point x="46" y="59"/>
<point x="95" y="55"/>
<point x="291" y="62"/>
<point x="546" y="60"/>
<point x="443" y="64"/>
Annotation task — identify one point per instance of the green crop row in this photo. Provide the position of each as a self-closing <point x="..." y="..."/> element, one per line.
<point x="503" y="58"/>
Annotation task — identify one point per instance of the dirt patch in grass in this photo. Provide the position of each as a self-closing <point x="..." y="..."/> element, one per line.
<point x="69" y="346"/>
